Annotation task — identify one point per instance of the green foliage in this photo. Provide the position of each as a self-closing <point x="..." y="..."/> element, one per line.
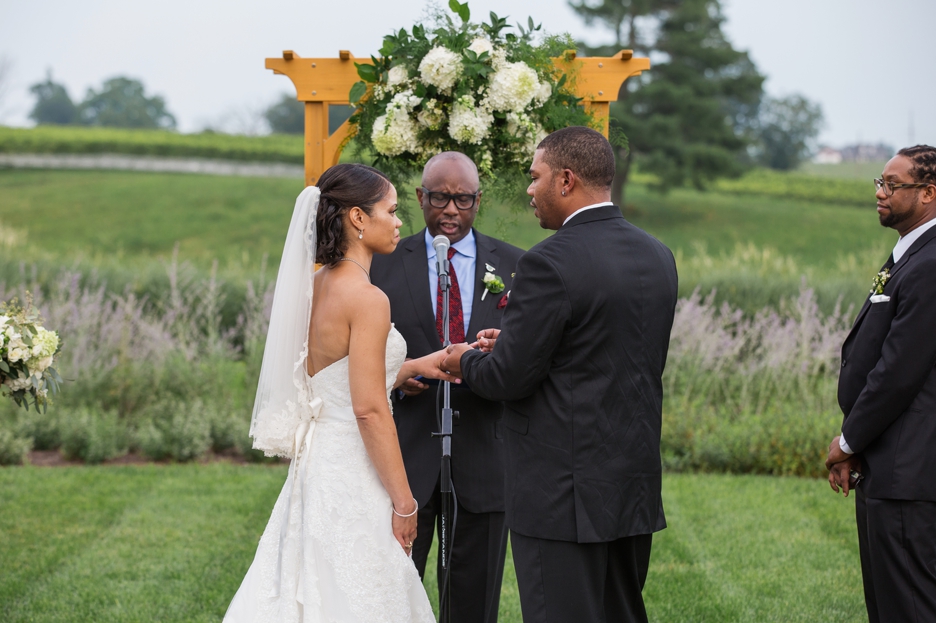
<point x="172" y="543"/>
<point x="122" y="103"/>
<point x="74" y="140"/>
<point x="690" y="119"/>
<point x="286" y="116"/>
<point x="13" y="446"/>
<point x="53" y="105"/>
<point x="787" y="130"/>
<point x="91" y="435"/>
<point x="801" y="187"/>
<point x="175" y="429"/>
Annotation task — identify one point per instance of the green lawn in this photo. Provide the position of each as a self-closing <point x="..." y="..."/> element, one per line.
<point x="143" y="215"/>
<point x="172" y="542"/>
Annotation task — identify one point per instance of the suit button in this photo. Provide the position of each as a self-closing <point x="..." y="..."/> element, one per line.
<point x="843" y="363"/>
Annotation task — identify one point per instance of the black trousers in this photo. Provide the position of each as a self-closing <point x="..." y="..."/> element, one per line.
<point x="564" y="582"/>
<point x="897" y="543"/>
<point x="477" y="562"/>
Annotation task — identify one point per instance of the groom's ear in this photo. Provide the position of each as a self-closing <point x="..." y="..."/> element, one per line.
<point x="568" y="179"/>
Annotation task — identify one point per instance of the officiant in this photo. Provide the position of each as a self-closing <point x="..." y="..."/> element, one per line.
<point x="483" y="268"/>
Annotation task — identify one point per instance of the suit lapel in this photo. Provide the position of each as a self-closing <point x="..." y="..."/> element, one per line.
<point x="925" y="239"/>
<point x="415" y="269"/>
<point x="485" y="253"/>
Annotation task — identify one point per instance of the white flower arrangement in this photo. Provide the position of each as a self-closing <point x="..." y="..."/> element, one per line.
<point x="27" y="356"/>
<point x="471" y="88"/>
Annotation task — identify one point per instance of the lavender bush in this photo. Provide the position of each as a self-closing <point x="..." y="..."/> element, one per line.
<point x="170" y="378"/>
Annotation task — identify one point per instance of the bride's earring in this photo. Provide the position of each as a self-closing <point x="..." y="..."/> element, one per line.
<point x="360" y="234"/>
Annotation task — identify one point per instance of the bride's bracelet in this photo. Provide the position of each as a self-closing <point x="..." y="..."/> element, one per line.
<point x="410" y="514"/>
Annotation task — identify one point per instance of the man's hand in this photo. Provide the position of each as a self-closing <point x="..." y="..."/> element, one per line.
<point x="840" y="474"/>
<point x="452" y="361"/>
<point x="836" y="454"/>
<point x="486" y="340"/>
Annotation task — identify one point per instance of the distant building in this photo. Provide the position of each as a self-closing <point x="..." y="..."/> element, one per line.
<point x="867" y="153"/>
<point x="827" y="155"/>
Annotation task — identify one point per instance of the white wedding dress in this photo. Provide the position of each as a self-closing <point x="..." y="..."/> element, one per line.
<point x="328" y="554"/>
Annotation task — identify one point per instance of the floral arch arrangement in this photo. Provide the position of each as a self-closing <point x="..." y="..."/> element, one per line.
<point x="466" y="87"/>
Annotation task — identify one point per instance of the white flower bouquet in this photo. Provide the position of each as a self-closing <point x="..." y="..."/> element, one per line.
<point x="469" y="87"/>
<point x="27" y="356"/>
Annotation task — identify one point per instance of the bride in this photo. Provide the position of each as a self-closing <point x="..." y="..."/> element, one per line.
<point x="338" y="542"/>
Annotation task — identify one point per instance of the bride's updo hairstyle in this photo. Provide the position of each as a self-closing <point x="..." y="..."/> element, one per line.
<point x="343" y="187"/>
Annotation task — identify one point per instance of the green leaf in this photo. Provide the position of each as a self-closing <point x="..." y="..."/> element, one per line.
<point x="460" y="9"/>
<point x="358" y="89"/>
<point x="4" y="366"/>
<point x="530" y="23"/>
<point x="368" y="73"/>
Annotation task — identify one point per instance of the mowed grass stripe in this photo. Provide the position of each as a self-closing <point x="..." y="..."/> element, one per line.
<point x="172" y="543"/>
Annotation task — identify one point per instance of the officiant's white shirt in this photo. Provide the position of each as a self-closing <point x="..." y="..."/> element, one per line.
<point x="903" y="245"/>
<point x="464" y="262"/>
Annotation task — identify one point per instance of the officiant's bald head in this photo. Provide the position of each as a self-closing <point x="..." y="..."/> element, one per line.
<point x="449" y="195"/>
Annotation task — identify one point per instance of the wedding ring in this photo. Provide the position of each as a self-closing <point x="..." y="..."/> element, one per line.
<point x="409" y="545"/>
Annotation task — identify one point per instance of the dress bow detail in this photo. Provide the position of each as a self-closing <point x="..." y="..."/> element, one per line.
<point x="302" y="443"/>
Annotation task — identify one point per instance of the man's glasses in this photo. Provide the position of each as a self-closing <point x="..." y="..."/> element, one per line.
<point x="890" y="187"/>
<point x="464" y="201"/>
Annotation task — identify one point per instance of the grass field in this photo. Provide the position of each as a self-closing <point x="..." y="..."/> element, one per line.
<point x="143" y="215"/>
<point x="172" y="542"/>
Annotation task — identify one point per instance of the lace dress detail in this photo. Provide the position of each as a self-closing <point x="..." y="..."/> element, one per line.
<point x="328" y="553"/>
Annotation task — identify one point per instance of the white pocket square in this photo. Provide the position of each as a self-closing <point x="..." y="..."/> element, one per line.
<point x="880" y="298"/>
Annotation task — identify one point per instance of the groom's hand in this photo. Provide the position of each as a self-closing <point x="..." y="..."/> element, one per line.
<point x="487" y="338"/>
<point x="452" y="361"/>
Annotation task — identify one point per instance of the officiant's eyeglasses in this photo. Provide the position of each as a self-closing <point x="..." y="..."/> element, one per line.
<point x="890" y="187"/>
<point x="462" y="201"/>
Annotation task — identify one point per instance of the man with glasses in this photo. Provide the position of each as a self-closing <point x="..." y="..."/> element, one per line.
<point x="449" y="197"/>
<point x="887" y="392"/>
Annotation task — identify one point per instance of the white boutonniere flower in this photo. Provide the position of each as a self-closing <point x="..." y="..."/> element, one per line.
<point x="880" y="280"/>
<point x="492" y="283"/>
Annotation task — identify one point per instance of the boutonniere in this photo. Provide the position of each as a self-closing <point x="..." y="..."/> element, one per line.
<point x="492" y="283"/>
<point x="880" y="280"/>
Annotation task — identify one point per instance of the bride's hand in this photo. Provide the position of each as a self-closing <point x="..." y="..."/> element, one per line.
<point x="428" y="367"/>
<point x="404" y="529"/>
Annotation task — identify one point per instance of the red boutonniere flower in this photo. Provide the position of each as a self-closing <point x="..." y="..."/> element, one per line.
<point x="501" y="304"/>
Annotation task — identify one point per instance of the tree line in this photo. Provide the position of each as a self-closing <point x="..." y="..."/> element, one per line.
<point x="700" y="113"/>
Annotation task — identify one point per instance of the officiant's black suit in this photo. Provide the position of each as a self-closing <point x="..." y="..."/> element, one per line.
<point x="477" y="445"/>
<point x="579" y="366"/>
<point x="887" y="392"/>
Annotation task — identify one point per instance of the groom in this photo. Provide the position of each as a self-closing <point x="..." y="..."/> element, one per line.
<point x="579" y="365"/>
<point x="449" y="198"/>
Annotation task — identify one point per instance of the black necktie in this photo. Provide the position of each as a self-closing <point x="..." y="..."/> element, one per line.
<point x="889" y="263"/>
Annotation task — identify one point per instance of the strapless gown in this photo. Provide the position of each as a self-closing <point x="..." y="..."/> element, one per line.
<point x="328" y="554"/>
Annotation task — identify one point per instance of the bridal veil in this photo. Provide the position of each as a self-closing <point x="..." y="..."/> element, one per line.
<point x="283" y="399"/>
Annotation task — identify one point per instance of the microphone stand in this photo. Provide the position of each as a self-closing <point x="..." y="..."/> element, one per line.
<point x="445" y="482"/>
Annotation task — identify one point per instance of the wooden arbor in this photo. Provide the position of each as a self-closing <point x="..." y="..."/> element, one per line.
<point x="320" y="82"/>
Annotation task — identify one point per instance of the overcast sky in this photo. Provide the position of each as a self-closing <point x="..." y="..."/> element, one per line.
<point x="868" y="63"/>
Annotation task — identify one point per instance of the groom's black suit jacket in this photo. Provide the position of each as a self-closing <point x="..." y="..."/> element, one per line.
<point x="887" y="383"/>
<point x="579" y="364"/>
<point x="477" y="445"/>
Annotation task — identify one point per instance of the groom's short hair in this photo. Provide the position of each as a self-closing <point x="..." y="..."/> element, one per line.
<point x="585" y="152"/>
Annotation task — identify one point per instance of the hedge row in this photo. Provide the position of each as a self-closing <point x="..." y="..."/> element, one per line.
<point x="79" y="140"/>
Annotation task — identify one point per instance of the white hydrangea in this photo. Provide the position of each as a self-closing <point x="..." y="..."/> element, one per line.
<point x="469" y="123"/>
<point x="397" y="75"/>
<point x="513" y="87"/>
<point x="395" y="132"/>
<point x="543" y="93"/>
<point x="481" y="45"/>
<point x="432" y="115"/>
<point x="441" y="68"/>
<point x="18" y="384"/>
<point x="498" y="58"/>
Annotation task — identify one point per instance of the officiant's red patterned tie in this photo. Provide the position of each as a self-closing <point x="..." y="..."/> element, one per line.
<point x="456" y="317"/>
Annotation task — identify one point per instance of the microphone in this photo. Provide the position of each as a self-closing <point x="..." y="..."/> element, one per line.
<point x="441" y="245"/>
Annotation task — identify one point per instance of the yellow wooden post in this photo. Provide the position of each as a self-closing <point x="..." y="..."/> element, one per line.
<point x="323" y="81"/>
